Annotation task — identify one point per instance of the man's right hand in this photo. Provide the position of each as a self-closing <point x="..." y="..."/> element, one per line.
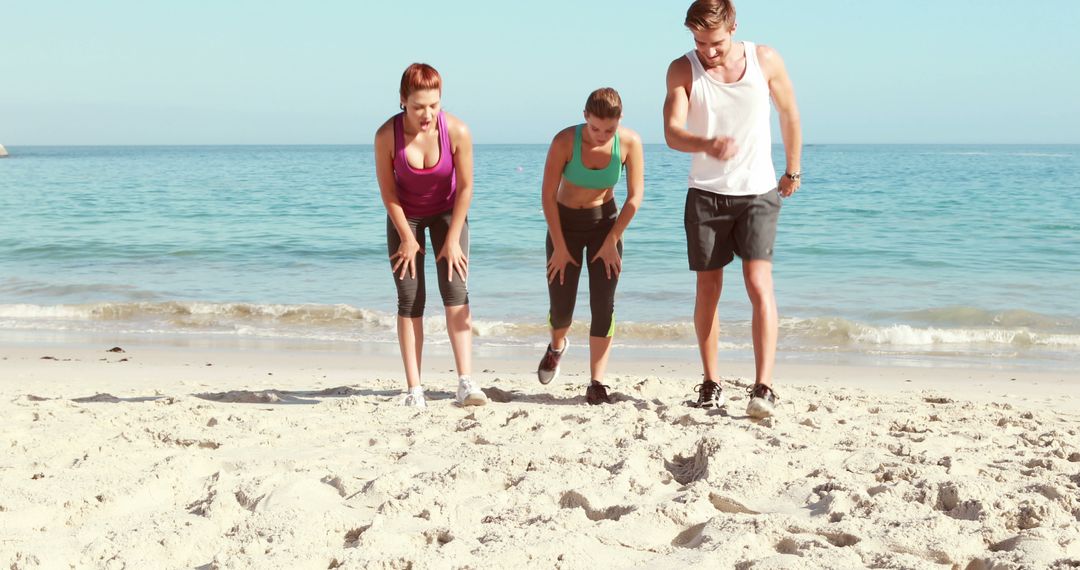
<point x="556" y="266"/>
<point x="721" y="148"/>
<point x="405" y="259"/>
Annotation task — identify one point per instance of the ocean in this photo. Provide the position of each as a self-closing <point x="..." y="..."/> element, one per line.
<point x="914" y="254"/>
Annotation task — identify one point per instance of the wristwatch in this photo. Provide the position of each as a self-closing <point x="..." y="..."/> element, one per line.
<point x="794" y="176"/>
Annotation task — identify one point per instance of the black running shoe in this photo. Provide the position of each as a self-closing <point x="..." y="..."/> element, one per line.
<point x="762" y="401"/>
<point x="549" y="364"/>
<point x="710" y="395"/>
<point x="597" y="394"/>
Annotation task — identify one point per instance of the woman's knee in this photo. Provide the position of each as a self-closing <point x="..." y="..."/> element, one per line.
<point x="410" y="307"/>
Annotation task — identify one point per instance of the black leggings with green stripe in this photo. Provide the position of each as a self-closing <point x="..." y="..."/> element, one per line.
<point x="584" y="231"/>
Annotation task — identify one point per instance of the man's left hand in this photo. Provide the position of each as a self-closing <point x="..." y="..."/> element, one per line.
<point x="786" y="186"/>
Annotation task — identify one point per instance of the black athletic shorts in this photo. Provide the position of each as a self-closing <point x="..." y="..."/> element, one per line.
<point x="719" y="227"/>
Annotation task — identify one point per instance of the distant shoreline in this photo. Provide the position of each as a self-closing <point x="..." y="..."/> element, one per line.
<point x="500" y="144"/>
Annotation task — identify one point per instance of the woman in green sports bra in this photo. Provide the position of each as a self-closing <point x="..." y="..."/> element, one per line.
<point x="578" y="192"/>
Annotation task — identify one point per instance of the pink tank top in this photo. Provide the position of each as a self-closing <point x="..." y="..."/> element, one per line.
<point x="427" y="191"/>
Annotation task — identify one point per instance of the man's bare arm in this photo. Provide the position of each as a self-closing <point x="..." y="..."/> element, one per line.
<point x="676" y="105"/>
<point x="783" y="95"/>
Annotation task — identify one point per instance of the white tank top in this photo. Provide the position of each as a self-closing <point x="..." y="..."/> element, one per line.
<point x="739" y="110"/>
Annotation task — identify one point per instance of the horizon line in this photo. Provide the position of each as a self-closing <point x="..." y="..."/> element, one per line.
<point x="805" y="144"/>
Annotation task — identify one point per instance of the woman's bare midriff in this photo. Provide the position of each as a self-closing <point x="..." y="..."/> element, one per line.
<point x="579" y="198"/>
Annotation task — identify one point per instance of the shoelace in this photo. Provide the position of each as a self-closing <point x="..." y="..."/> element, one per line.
<point x="468" y="386"/>
<point x="765" y="392"/>
<point x="551" y="359"/>
<point x="603" y="388"/>
<point x="706" y="392"/>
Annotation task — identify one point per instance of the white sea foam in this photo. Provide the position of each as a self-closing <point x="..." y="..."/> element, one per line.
<point x="347" y="323"/>
<point x="904" y="335"/>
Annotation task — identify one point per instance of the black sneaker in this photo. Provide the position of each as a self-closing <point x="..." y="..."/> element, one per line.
<point x="762" y="401"/>
<point x="549" y="364"/>
<point x="710" y="395"/>
<point x="596" y="394"/>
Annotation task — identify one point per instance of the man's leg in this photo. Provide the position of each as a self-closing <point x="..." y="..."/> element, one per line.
<point x="708" y="219"/>
<point x="757" y="274"/>
<point x="707" y="320"/>
<point x="755" y="234"/>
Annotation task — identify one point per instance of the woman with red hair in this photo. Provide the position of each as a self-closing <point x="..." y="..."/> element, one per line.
<point x="423" y="160"/>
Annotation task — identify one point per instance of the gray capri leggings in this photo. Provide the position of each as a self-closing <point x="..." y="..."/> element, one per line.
<point x="411" y="292"/>
<point x="584" y="232"/>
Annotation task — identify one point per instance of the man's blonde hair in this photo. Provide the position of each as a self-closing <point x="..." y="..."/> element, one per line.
<point x="710" y="15"/>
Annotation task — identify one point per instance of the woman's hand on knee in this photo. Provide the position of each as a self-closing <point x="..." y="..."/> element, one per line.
<point x="556" y="266"/>
<point x="404" y="259"/>
<point x="609" y="255"/>
<point x="455" y="259"/>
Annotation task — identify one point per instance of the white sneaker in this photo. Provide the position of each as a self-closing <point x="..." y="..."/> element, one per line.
<point x="762" y="401"/>
<point x="549" y="364"/>
<point x="469" y="394"/>
<point x="414" y="398"/>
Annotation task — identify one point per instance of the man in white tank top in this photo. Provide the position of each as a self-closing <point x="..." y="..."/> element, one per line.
<point x="717" y="108"/>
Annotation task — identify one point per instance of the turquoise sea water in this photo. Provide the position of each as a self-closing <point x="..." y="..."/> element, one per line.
<point x="919" y="253"/>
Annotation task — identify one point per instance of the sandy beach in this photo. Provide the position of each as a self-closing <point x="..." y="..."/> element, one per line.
<point x="226" y="226"/>
<point x="160" y="457"/>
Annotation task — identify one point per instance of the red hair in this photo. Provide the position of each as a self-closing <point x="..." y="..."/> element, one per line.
<point x="419" y="76"/>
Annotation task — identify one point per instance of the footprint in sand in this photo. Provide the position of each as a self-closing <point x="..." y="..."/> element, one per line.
<point x="694" y="466"/>
<point x="729" y="505"/>
<point x="440" y="536"/>
<point x="335" y="482"/>
<point x="1027" y="516"/>
<point x="806" y="541"/>
<point x="98" y="398"/>
<point x="787" y="546"/>
<point x="352" y="537"/>
<point x="1046" y="464"/>
<point x="499" y="396"/>
<point x="573" y="500"/>
<point x="514" y="416"/>
<point x="839" y="539"/>
<point x="692" y="537"/>
<point x="907" y="426"/>
<point x="950" y="503"/>
<point x="948" y="497"/>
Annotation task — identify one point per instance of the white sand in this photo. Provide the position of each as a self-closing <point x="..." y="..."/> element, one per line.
<point x="305" y="459"/>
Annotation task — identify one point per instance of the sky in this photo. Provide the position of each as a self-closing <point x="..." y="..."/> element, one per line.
<point x="327" y="72"/>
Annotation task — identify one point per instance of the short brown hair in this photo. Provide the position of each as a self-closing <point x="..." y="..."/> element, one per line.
<point x="419" y="76"/>
<point x="710" y="15"/>
<point x="604" y="103"/>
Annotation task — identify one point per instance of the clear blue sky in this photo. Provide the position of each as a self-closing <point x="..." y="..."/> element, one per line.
<point x="267" y="71"/>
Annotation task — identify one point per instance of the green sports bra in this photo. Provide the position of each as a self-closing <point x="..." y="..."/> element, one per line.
<point x="600" y="179"/>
